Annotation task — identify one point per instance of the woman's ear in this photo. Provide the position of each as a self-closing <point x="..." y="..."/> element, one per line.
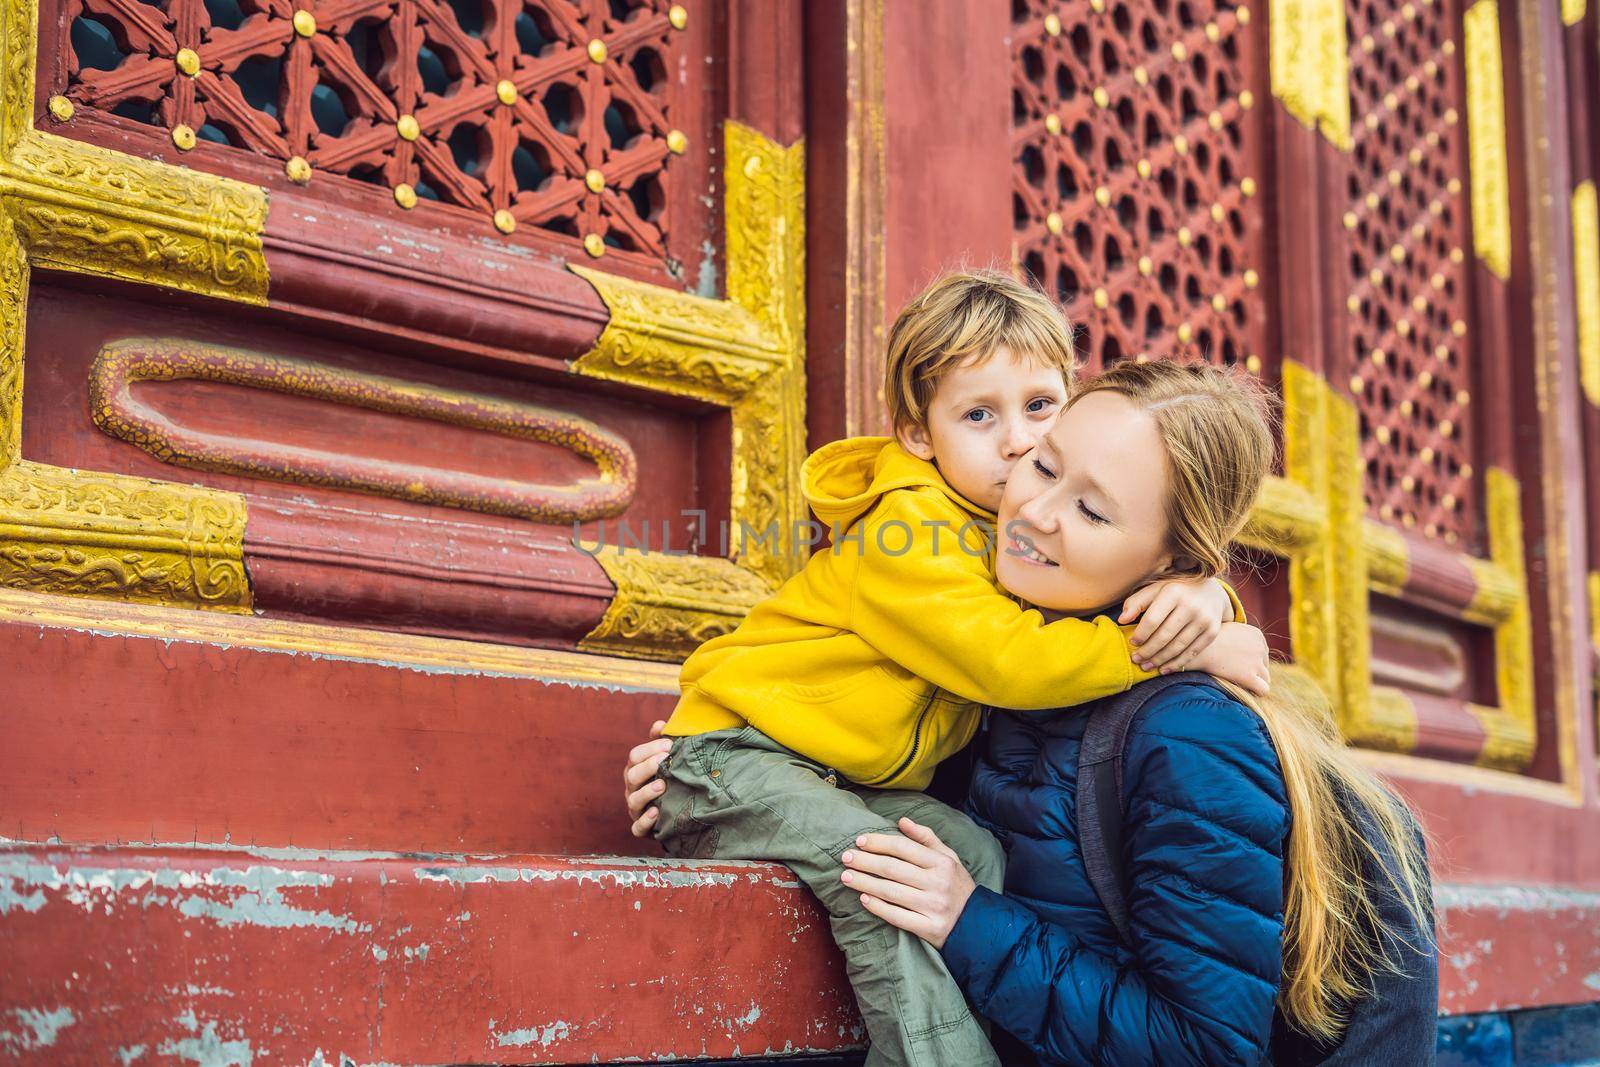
<point x="915" y="439"/>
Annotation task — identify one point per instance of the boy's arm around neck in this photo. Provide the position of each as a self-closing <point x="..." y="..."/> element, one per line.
<point x="940" y="615"/>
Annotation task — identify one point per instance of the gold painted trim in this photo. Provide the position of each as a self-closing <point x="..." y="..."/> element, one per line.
<point x="1285" y="517"/>
<point x="1594" y="613"/>
<point x="1572" y="11"/>
<point x="745" y="353"/>
<point x="667" y="606"/>
<point x="1311" y="65"/>
<point x="1337" y="563"/>
<point x="121" y="538"/>
<point x="1486" y="137"/>
<point x="1311" y="575"/>
<point x="69" y="206"/>
<point x="1586" y="286"/>
<point x="1510" y="730"/>
<point x="1388" y="559"/>
<point x="335" y="642"/>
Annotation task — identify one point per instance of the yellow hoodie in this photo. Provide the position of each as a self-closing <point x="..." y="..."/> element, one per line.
<point x="875" y="663"/>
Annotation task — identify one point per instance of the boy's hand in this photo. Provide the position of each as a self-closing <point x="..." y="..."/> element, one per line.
<point x="1238" y="655"/>
<point x="640" y="786"/>
<point x="1181" y="617"/>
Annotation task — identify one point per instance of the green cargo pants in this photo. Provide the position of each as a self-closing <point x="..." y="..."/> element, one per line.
<point x="739" y="795"/>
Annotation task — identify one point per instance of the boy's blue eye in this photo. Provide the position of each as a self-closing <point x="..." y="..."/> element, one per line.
<point x="1039" y="403"/>
<point x="976" y="415"/>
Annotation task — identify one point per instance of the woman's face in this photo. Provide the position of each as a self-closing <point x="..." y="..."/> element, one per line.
<point x="1083" y="519"/>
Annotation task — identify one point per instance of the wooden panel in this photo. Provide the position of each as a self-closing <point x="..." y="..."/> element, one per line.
<point x="328" y="550"/>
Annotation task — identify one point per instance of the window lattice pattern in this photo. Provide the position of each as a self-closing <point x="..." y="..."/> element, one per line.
<point x="554" y="114"/>
<point x="1406" y="227"/>
<point x="1136" y="148"/>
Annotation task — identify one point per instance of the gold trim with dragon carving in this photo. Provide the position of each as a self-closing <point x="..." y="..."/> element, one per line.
<point x="1310" y="65"/>
<point x="1486" y="137"/>
<point x="746" y="354"/>
<point x="74" y="207"/>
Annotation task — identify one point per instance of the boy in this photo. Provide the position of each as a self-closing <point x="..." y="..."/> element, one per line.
<point x="824" y="714"/>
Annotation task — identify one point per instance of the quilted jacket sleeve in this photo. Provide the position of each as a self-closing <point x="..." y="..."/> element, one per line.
<point x="1207" y="824"/>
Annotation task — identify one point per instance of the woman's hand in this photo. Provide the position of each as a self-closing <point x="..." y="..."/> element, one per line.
<point x="640" y="785"/>
<point x="1179" y="618"/>
<point x="914" y="882"/>
<point x="1239" y="655"/>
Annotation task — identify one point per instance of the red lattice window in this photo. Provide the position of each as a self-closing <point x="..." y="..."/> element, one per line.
<point x="1410" y="358"/>
<point x="1137" y="152"/>
<point x="559" y="115"/>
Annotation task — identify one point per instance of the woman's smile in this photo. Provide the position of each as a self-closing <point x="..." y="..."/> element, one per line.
<point x="1026" y="552"/>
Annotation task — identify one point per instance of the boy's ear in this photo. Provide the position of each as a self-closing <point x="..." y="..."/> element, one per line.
<point x="915" y="439"/>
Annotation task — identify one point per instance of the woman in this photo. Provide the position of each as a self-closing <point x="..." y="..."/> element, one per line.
<point x="1249" y="832"/>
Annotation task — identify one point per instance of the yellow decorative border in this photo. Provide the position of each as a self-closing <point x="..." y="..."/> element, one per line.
<point x="1510" y="729"/>
<point x="1311" y="65"/>
<point x="69" y="206"/>
<point x="745" y="353"/>
<point x="1486" y="137"/>
<point x="1586" y="285"/>
<point x="1594" y="614"/>
<point x="336" y="642"/>
<point x="1316" y="516"/>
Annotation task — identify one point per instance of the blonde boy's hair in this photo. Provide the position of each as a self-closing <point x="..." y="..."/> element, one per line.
<point x="966" y="314"/>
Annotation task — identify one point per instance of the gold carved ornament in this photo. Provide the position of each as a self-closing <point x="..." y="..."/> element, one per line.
<point x="744" y="353"/>
<point x="75" y="207"/>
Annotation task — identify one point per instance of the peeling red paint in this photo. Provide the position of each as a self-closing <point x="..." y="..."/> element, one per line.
<point x="412" y="960"/>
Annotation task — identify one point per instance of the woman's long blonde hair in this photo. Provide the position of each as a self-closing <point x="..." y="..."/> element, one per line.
<point x="1217" y="431"/>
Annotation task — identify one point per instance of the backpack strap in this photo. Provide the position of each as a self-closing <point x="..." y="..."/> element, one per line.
<point x="1100" y="797"/>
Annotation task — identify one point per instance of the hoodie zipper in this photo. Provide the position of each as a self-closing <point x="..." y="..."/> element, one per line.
<point x="916" y="743"/>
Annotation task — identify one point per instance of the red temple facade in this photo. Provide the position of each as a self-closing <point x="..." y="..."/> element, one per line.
<point x="341" y="341"/>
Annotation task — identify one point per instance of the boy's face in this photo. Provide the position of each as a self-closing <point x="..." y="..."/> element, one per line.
<point x="986" y="413"/>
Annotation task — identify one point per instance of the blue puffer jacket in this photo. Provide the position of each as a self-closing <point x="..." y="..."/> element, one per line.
<point x="1206" y="828"/>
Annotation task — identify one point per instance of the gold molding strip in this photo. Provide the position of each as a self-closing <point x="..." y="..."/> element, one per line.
<point x="1388" y="560"/>
<point x="90" y="210"/>
<point x="1311" y="65"/>
<point x="336" y="642"/>
<point x="76" y="207"/>
<point x="667" y="606"/>
<point x="1510" y="729"/>
<point x="1594" y="614"/>
<point x="1285" y="517"/>
<point x="1586" y="285"/>
<point x="1486" y="137"/>
<point x="121" y="538"/>
<point x="745" y="353"/>
<point x="1572" y="11"/>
